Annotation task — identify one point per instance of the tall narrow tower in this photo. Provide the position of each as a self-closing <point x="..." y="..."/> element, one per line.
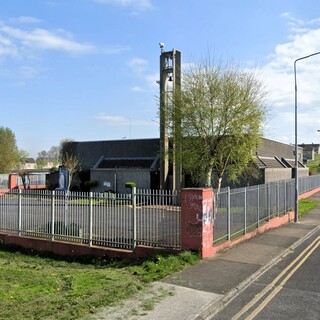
<point x="170" y="78"/>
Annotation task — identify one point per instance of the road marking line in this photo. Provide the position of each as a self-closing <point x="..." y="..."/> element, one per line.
<point x="277" y="289"/>
<point x="260" y="295"/>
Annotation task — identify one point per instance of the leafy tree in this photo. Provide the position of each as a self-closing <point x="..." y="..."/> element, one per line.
<point x="42" y="159"/>
<point x="215" y="121"/>
<point x="52" y="156"/>
<point x="8" y="150"/>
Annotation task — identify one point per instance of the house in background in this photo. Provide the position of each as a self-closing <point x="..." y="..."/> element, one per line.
<point x="310" y="151"/>
<point x="276" y="161"/>
<point x="29" y="164"/>
<point x="110" y="164"/>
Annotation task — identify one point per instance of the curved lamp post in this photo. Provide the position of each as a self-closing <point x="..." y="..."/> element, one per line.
<point x="296" y="134"/>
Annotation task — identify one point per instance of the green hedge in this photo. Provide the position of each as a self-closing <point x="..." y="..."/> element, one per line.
<point x="130" y="185"/>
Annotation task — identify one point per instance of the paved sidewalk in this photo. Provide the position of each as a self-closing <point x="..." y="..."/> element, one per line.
<point x="201" y="290"/>
<point x="206" y="287"/>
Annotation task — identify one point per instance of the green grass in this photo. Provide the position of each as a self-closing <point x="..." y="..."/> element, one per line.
<point x="314" y="165"/>
<point x="305" y="205"/>
<point x="34" y="287"/>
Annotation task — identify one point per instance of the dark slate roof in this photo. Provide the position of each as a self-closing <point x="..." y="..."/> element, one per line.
<point x="30" y="160"/>
<point x="291" y="163"/>
<point x="268" y="162"/>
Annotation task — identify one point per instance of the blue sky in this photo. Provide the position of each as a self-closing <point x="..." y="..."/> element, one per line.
<point x="87" y="69"/>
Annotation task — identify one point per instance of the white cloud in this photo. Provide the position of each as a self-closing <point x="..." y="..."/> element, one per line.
<point x="137" y="5"/>
<point x="278" y="75"/>
<point x="122" y="121"/>
<point x="138" y="65"/>
<point x="25" y="20"/>
<point x="152" y="80"/>
<point x="7" y="48"/>
<point x="45" y="39"/>
<point x="119" y="120"/>
<point x="116" y="49"/>
<point x="16" y="41"/>
<point x="137" y="89"/>
<point x="28" y="72"/>
<point x="297" y="25"/>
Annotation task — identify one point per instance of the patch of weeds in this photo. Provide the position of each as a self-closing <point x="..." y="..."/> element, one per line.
<point x="134" y="312"/>
<point x="45" y="288"/>
<point x="162" y="266"/>
<point x="305" y="205"/>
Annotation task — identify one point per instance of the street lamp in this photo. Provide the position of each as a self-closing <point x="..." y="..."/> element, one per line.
<point x="296" y="134"/>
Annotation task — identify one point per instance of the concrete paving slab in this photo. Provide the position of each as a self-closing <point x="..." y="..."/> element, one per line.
<point x="252" y="253"/>
<point x="297" y="230"/>
<point x="274" y="240"/>
<point x="311" y="218"/>
<point x="160" y="301"/>
<point x="185" y="304"/>
<point x="303" y="225"/>
<point x="216" y="276"/>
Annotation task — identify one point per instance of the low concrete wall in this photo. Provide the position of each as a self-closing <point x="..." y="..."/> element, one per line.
<point x="77" y="250"/>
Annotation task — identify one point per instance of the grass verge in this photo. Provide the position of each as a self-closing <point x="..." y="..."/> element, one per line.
<point x="305" y="205"/>
<point x="34" y="287"/>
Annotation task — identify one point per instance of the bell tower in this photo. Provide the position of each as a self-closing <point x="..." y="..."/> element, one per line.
<point x="170" y="78"/>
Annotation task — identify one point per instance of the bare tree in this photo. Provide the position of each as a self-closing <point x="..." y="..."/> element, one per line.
<point x="72" y="163"/>
<point x="219" y="111"/>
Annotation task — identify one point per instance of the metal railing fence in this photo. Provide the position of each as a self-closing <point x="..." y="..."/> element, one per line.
<point x="33" y="179"/>
<point x="143" y="217"/>
<point x="4" y="178"/>
<point x="238" y="211"/>
<point x="150" y="218"/>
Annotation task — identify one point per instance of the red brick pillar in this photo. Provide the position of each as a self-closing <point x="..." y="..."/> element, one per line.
<point x="197" y="220"/>
<point x="12" y="181"/>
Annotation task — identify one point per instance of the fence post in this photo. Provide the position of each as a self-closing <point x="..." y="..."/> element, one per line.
<point x="53" y="195"/>
<point x="258" y="205"/>
<point x="228" y="214"/>
<point x="134" y="217"/>
<point x="278" y="200"/>
<point x="19" y="212"/>
<point x="245" y="210"/>
<point x="285" y="197"/>
<point x="90" y="219"/>
<point x="268" y="202"/>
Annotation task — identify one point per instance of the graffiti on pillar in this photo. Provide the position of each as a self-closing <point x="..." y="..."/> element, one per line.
<point x="207" y="212"/>
<point x="207" y="227"/>
<point x="194" y="227"/>
<point x="194" y="202"/>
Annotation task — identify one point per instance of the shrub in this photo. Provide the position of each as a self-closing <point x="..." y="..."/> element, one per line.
<point x="130" y="185"/>
<point x="91" y="184"/>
